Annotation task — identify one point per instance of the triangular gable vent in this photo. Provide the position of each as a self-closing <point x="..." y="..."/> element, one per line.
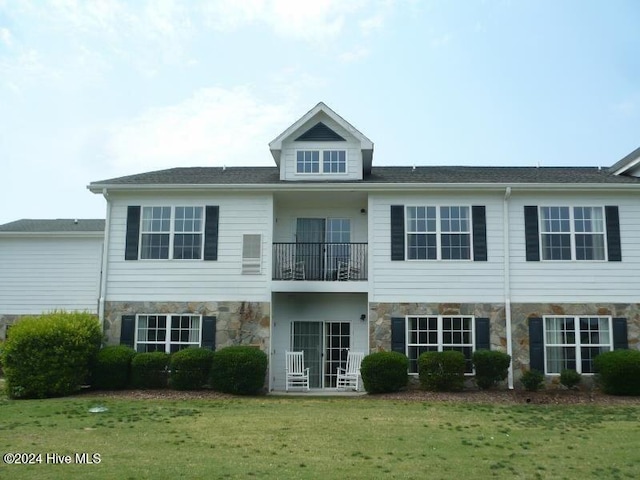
<point x="320" y="133"/>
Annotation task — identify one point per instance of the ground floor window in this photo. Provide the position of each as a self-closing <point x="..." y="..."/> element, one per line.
<point x="437" y="334"/>
<point x="167" y="333"/>
<point x="572" y="342"/>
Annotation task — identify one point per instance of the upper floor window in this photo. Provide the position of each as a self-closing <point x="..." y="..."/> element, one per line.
<point x="572" y="233"/>
<point x="438" y="233"/>
<point x="171" y="232"/>
<point x="333" y="161"/>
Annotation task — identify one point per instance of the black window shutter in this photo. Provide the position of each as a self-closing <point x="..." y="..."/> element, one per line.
<point x="397" y="232"/>
<point x="531" y="233"/>
<point x="536" y="345"/>
<point x="479" y="223"/>
<point x="127" y="330"/>
<point x="398" y="335"/>
<point x="483" y="334"/>
<point x="612" y="220"/>
<point x="133" y="233"/>
<point x="620" y="336"/>
<point x="209" y="333"/>
<point x="211" y="232"/>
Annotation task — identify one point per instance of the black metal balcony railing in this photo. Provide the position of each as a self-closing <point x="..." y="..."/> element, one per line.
<point x="320" y="261"/>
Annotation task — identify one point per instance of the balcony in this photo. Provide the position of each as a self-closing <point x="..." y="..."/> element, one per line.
<point x="326" y="262"/>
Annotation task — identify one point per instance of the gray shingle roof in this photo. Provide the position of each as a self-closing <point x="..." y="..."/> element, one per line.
<point x="60" y="225"/>
<point x="379" y="175"/>
<point x="626" y="160"/>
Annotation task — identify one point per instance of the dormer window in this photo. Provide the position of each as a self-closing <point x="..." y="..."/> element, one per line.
<point x="333" y="161"/>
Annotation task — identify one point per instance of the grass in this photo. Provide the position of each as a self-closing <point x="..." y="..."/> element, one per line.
<point x="271" y="437"/>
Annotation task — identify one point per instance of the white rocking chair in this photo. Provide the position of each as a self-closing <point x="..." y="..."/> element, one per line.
<point x="350" y="376"/>
<point x="296" y="373"/>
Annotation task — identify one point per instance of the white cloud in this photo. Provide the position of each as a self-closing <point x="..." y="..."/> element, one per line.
<point x="215" y="126"/>
<point x="354" y="55"/>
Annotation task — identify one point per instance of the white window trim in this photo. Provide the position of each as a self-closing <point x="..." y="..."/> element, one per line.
<point x="438" y="233"/>
<point x="321" y="161"/>
<point x="577" y="345"/>
<point x="572" y="233"/>
<point x="172" y="232"/>
<point x="440" y="335"/>
<point x="167" y="342"/>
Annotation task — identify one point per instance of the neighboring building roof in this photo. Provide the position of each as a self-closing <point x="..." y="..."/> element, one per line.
<point x="59" y="225"/>
<point x="379" y="175"/>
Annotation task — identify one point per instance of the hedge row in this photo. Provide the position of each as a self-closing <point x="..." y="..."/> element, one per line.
<point x="239" y="369"/>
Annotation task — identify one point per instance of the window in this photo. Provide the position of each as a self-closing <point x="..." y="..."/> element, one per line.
<point x="333" y="161"/>
<point x="167" y="333"/>
<point x="576" y="233"/>
<point x="573" y="342"/>
<point x="162" y="238"/>
<point x="438" y="233"/>
<point x="251" y="254"/>
<point x="437" y="334"/>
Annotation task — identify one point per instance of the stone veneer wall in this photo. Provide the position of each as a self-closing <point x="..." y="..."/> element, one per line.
<point x="237" y="323"/>
<point x="380" y="315"/>
<point x="521" y="312"/>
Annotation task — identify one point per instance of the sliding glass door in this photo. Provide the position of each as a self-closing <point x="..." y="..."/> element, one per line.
<point x="325" y="346"/>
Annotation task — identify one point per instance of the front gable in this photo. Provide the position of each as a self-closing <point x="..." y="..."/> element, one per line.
<point x="321" y="145"/>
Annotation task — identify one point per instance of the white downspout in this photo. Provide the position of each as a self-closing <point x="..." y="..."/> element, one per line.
<point x="507" y="281"/>
<point x="105" y="258"/>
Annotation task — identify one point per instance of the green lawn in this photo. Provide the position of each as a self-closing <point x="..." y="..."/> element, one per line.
<point x="275" y="437"/>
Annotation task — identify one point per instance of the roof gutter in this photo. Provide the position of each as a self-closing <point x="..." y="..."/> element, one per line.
<point x="365" y="187"/>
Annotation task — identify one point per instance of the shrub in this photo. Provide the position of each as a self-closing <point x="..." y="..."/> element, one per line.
<point x="50" y="355"/>
<point x="112" y="369"/>
<point x="618" y="372"/>
<point x="190" y="368"/>
<point x="239" y="370"/>
<point x="491" y="367"/>
<point x="570" y="378"/>
<point x="384" y="372"/>
<point x="532" y="380"/>
<point x="150" y="370"/>
<point x="441" y="371"/>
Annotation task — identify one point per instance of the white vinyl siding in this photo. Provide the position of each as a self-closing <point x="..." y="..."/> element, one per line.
<point x="575" y="281"/>
<point x="176" y="281"/>
<point x="52" y="272"/>
<point x="436" y="280"/>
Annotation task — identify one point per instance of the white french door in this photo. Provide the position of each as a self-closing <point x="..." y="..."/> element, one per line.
<point x="325" y="346"/>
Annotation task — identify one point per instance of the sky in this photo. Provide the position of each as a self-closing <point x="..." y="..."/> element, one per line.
<point x="96" y="89"/>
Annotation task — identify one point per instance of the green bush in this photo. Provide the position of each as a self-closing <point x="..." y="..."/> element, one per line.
<point x="50" y="355"/>
<point x="384" y="372"/>
<point x="570" y="378"/>
<point x="112" y="368"/>
<point x="240" y="370"/>
<point x="491" y="367"/>
<point x="532" y="380"/>
<point x="441" y="371"/>
<point x="618" y="372"/>
<point x="150" y="370"/>
<point x="190" y="368"/>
